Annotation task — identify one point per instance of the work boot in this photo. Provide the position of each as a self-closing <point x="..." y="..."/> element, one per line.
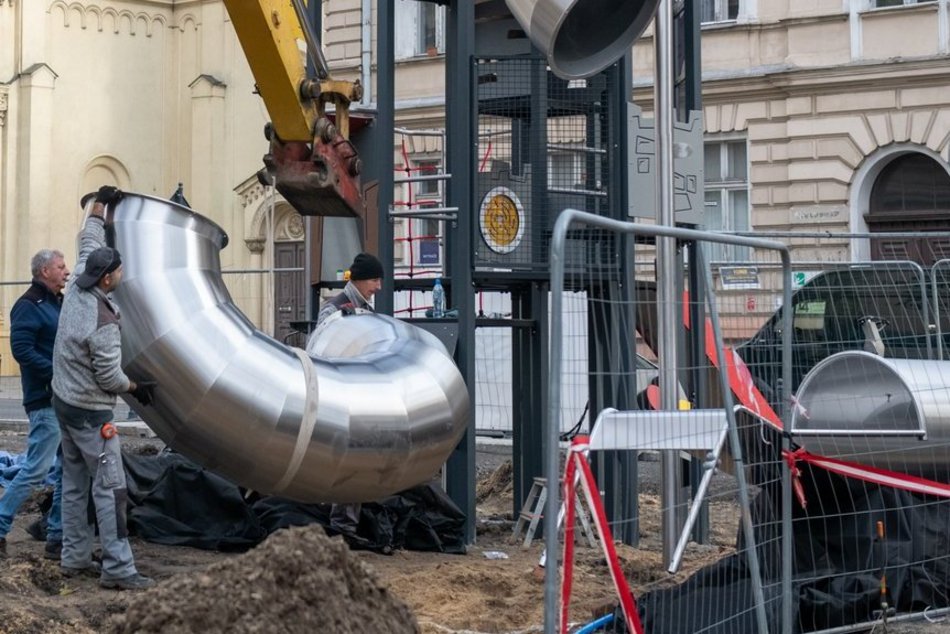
<point x="94" y="569"/>
<point x="53" y="550"/>
<point x="132" y="582"/>
<point x="37" y="530"/>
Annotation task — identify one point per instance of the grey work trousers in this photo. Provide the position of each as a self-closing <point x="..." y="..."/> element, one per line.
<point x="88" y="458"/>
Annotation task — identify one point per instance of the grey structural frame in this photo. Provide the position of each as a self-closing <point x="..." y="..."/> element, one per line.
<point x="565" y="220"/>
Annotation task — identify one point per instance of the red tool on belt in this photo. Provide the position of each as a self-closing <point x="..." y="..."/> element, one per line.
<point x="108" y="431"/>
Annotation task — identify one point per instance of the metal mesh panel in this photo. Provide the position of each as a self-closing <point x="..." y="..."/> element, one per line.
<point x="542" y="147"/>
<point x="609" y="340"/>
<point x="853" y="503"/>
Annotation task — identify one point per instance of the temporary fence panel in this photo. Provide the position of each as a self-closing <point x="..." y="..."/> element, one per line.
<point x="850" y="512"/>
<point x="737" y="573"/>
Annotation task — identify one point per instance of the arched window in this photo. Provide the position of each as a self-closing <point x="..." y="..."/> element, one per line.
<point x="912" y="184"/>
<point x="911" y="193"/>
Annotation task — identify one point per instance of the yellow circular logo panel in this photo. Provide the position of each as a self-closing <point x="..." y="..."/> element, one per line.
<point x="501" y="219"/>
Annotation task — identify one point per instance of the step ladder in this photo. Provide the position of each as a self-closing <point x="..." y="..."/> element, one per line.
<point x="533" y="511"/>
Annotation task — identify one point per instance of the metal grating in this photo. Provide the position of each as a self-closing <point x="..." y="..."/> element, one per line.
<point x="542" y="147"/>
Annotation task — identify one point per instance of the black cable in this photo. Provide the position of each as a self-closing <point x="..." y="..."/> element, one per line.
<point x="573" y="431"/>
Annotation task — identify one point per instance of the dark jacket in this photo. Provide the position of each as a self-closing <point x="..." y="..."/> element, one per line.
<point x="33" y="323"/>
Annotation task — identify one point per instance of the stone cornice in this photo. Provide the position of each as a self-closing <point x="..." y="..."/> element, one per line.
<point x="211" y="80"/>
<point x="249" y="191"/>
<point x="780" y="82"/>
<point x="166" y="14"/>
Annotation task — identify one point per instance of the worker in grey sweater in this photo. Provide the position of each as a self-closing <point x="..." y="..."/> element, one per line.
<point x="87" y="376"/>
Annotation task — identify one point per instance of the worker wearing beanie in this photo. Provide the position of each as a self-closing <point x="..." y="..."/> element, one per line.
<point x="366" y="278"/>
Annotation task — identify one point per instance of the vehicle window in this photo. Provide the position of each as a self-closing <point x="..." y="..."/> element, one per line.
<point x="809" y="315"/>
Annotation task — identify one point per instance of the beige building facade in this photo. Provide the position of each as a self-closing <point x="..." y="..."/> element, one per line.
<point x="836" y="105"/>
<point x="140" y="94"/>
<point x="818" y="114"/>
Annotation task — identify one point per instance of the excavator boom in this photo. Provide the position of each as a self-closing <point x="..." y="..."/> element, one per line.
<point x="311" y="161"/>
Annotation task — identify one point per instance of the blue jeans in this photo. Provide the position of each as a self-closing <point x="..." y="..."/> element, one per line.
<point x="41" y="453"/>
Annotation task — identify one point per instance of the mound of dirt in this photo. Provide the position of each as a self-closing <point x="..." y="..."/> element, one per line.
<point x="298" y="580"/>
<point x="498" y="483"/>
<point x="494" y="493"/>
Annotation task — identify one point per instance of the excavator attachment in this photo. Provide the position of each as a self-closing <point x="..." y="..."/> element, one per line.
<point x="318" y="179"/>
<point x="310" y="161"/>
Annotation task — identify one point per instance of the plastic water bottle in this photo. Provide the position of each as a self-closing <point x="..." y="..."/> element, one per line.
<point x="438" y="299"/>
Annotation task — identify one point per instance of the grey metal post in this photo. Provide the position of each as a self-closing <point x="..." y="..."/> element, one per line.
<point x="461" y="112"/>
<point x="386" y="123"/>
<point x="666" y="261"/>
<point x="314" y="17"/>
<point x="551" y="462"/>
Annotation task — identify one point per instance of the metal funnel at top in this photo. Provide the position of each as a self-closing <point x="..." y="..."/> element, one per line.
<point x="376" y="411"/>
<point x="583" y="37"/>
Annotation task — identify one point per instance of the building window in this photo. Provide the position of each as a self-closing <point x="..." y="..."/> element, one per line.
<point x="720" y="10"/>
<point x="727" y="195"/>
<point x="427" y="188"/>
<point x="399" y="242"/>
<point x="877" y="4"/>
<point x="420" y="29"/>
<point x="564" y="170"/>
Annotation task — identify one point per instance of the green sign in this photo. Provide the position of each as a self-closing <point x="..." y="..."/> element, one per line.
<point x="800" y="278"/>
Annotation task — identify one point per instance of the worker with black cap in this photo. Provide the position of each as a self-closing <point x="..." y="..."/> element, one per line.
<point x="366" y="278"/>
<point x="87" y="376"/>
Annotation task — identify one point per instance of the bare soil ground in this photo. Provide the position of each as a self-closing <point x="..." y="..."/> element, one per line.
<point x="301" y="581"/>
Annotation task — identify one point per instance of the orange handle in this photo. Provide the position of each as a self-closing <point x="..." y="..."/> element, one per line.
<point x="108" y="431"/>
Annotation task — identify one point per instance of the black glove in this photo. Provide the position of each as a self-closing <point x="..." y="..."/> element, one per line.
<point x="108" y="194"/>
<point x="143" y="392"/>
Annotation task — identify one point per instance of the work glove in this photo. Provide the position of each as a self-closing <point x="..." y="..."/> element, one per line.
<point x="143" y="392"/>
<point x="108" y="194"/>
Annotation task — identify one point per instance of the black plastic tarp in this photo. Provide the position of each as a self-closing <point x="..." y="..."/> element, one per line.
<point x="174" y="501"/>
<point x="839" y="561"/>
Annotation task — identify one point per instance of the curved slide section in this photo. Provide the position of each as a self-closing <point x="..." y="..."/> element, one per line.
<point x="376" y="409"/>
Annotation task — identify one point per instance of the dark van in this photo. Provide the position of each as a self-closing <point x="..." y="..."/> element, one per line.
<point x="882" y="308"/>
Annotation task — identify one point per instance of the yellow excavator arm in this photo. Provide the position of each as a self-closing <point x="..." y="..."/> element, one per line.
<point x="311" y="160"/>
<point x="270" y="33"/>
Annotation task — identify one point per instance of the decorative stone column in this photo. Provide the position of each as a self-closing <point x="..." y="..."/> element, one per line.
<point x="208" y="117"/>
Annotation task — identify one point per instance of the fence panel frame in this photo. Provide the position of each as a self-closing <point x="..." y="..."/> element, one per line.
<point x="565" y="220"/>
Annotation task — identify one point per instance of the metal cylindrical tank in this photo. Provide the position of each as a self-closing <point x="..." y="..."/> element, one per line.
<point x="582" y="37"/>
<point x="378" y="414"/>
<point x="888" y="413"/>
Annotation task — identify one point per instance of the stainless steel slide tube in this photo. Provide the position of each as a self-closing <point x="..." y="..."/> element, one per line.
<point x="377" y="413"/>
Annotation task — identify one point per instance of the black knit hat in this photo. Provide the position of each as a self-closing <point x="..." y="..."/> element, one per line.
<point x="366" y="267"/>
<point x="101" y="261"/>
